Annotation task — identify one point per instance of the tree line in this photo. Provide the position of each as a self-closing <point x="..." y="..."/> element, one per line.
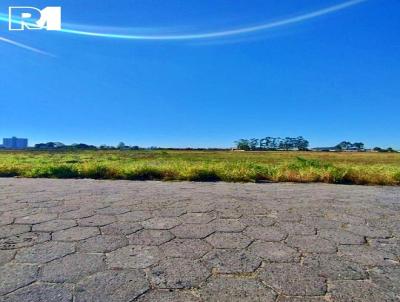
<point x="273" y="143"/>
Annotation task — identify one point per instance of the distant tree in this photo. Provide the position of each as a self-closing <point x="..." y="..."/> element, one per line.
<point x="121" y="145"/>
<point x="359" y="146"/>
<point x="253" y="144"/>
<point x="243" y="144"/>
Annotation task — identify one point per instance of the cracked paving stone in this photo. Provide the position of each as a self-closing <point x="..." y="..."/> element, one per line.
<point x="228" y="225"/>
<point x="391" y="245"/>
<point x="160" y="223"/>
<point x="41" y="292"/>
<point x="75" y="233"/>
<point x="36" y="218"/>
<point x="334" y="268"/>
<point x="232" y="261"/>
<point x="228" y="240"/>
<point x="274" y="251"/>
<point x="13" y="229"/>
<point x="112" y="211"/>
<point x="292" y="279"/>
<point x="293" y="228"/>
<point x="23" y="240"/>
<point x="257" y="220"/>
<point x="44" y="252"/>
<point x="14" y="276"/>
<point x="228" y="289"/>
<point x="188" y="231"/>
<point x="367" y="231"/>
<point x="5" y="220"/>
<point x="96" y="220"/>
<point x="169" y="212"/>
<point x="150" y="237"/>
<point x="6" y="256"/>
<point x="112" y="286"/>
<point x="300" y="299"/>
<point x="228" y="213"/>
<point x="200" y="218"/>
<point x="168" y="296"/>
<point x="134" y="216"/>
<point x="54" y="225"/>
<point x="72" y="267"/>
<point x="386" y="277"/>
<point x="133" y="256"/>
<point x="121" y="228"/>
<point x="341" y="237"/>
<point x="179" y="273"/>
<point x="311" y="244"/>
<point x="366" y="255"/>
<point x="101" y="244"/>
<point x="185" y="248"/>
<point x="358" y="291"/>
<point x="265" y="233"/>
<point x="77" y="214"/>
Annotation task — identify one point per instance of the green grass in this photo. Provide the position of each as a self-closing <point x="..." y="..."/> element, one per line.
<point x="345" y="168"/>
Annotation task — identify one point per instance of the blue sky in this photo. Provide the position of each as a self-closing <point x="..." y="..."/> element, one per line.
<point x="330" y="78"/>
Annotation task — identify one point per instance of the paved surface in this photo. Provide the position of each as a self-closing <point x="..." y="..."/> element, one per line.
<point x="85" y="240"/>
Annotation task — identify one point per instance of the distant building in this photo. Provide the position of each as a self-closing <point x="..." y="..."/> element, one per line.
<point x="15" y="143"/>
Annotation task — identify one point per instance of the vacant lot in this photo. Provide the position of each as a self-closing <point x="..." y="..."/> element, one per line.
<point x="346" y="168"/>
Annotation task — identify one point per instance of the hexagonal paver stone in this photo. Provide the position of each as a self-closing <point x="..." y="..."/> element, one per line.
<point x="358" y="291"/>
<point x="334" y="267"/>
<point x="292" y="279"/>
<point x="112" y="286"/>
<point x="228" y="213"/>
<point x="6" y="256"/>
<point x="35" y="218"/>
<point x="160" y="223"/>
<point x="311" y="244"/>
<point x="387" y="277"/>
<point x="265" y="233"/>
<point x="232" y="261"/>
<point x="41" y="292"/>
<point x="133" y="256"/>
<point x="197" y="218"/>
<point x="164" y="295"/>
<point x="44" y="252"/>
<point x="367" y="255"/>
<point x="300" y="299"/>
<point x="274" y="251"/>
<point x="257" y="220"/>
<point x="150" y="237"/>
<point x="54" y="225"/>
<point x="191" y="231"/>
<point x="72" y="268"/>
<point x="228" y="289"/>
<point x="367" y="231"/>
<point x="169" y="212"/>
<point x="185" y="248"/>
<point x="13" y="229"/>
<point x="96" y="220"/>
<point x="341" y="237"/>
<point x="112" y="211"/>
<point x="228" y="225"/>
<point x="4" y="220"/>
<point x="102" y="244"/>
<point x="228" y="240"/>
<point x="121" y="228"/>
<point x="179" y="273"/>
<point x="294" y="228"/>
<point x="14" y="276"/>
<point x="134" y="216"/>
<point x="75" y="233"/>
<point x="23" y="240"/>
<point x="77" y="214"/>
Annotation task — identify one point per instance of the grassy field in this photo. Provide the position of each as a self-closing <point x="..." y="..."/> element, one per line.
<point x="346" y="168"/>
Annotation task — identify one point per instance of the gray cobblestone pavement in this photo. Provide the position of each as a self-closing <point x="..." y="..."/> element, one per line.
<point x="87" y="240"/>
